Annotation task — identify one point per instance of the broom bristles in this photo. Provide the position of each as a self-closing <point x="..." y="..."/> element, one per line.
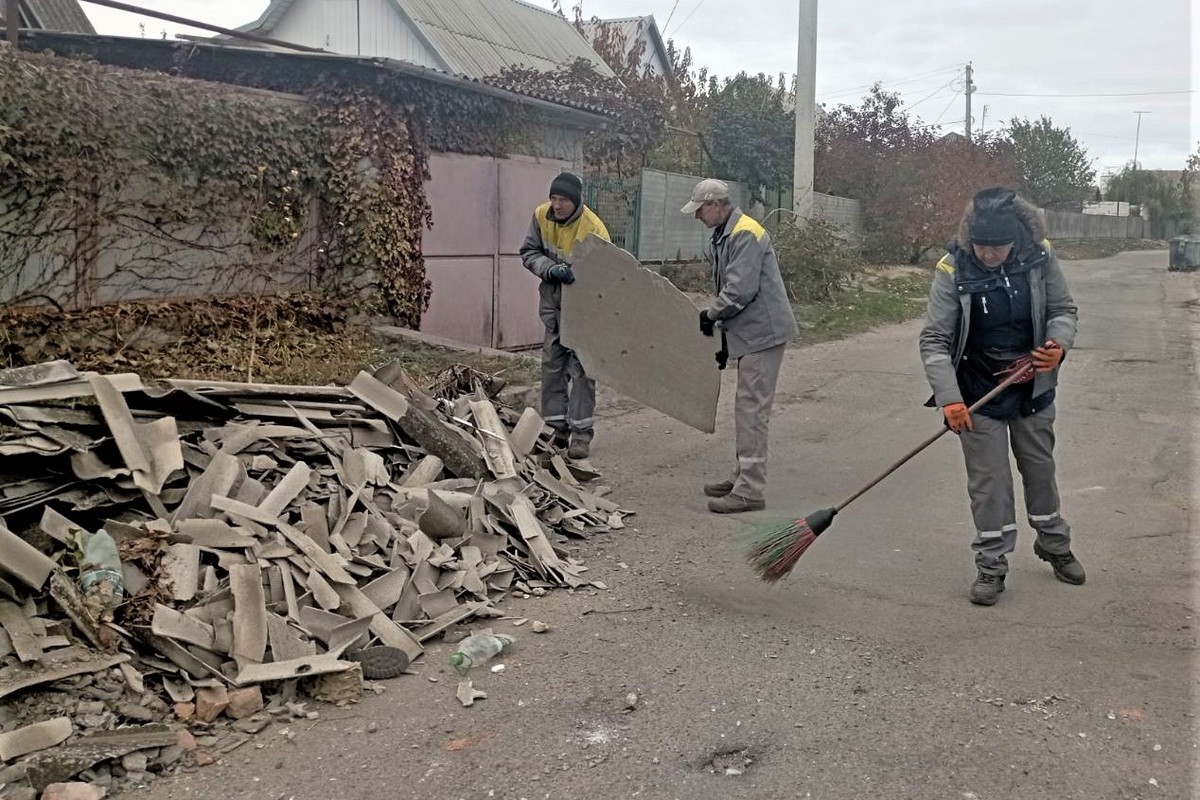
<point x="773" y="551"/>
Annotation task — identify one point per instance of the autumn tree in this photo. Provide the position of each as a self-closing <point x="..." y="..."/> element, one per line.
<point x="752" y="131"/>
<point x="1055" y="166"/>
<point x="1168" y="200"/>
<point x="856" y="145"/>
<point x="923" y="193"/>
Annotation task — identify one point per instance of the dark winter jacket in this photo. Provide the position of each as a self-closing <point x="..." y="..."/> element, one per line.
<point x="943" y="340"/>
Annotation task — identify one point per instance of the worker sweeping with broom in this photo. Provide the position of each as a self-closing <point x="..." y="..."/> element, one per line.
<point x="1001" y="319"/>
<point x="998" y="304"/>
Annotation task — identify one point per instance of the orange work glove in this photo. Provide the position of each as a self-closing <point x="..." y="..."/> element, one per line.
<point x="957" y="416"/>
<point x="1047" y="357"/>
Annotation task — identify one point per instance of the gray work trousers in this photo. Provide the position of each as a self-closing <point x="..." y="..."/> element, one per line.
<point x="568" y="394"/>
<point x="990" y="485"/>
<point x="757" y="375"/>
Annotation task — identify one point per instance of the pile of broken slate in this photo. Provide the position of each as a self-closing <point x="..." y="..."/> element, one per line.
<point x="184" y="563"/>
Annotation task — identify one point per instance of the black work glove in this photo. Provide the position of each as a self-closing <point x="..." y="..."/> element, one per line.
<point x="707" y="326"/>
<point x="722" y="358"/>
<point x="561" y="273"/>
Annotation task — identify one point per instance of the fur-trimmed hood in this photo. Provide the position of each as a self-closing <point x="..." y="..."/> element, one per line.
<point x="1027" y="214"/>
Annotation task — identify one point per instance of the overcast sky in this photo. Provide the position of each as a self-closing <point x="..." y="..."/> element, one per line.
<point x="1028" y="56"/>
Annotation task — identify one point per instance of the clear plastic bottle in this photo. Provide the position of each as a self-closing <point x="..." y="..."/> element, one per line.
<point x="477" y="649"/>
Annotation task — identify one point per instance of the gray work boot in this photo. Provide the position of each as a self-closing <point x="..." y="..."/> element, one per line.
<point x="1066" y="568"/>
<point x="735" y="504"/>
<point x="718" y="489"/>
<point x="986" y="589"/>
<point x="579" y="450"/>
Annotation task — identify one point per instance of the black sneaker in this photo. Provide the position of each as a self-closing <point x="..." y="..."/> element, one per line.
<point x="561" y="440"/>
<point x="1066" y="567"/>
<point x="986" y="589"/>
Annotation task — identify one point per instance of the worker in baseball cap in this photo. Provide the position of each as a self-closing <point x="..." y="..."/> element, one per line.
<point x="756" y="322"/>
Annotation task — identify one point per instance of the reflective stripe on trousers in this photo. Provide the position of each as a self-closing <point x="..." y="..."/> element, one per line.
<point x="990" y="485"/>
<point x="568" y="394"/>
<point x="758" y="374"/>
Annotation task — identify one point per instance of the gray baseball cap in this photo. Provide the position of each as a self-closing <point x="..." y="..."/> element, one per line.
<point x="707" y="189"/>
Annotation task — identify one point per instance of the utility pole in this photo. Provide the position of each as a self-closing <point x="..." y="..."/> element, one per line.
<point x="983" y="120"/>
<point x="806" y="110"/>
<point x="969" y="90"/>
<point x="12" y="22"/>
<point x="1138" y="137"/>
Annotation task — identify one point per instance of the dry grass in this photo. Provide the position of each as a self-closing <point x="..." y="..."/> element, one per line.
<point x="291" y="340"/>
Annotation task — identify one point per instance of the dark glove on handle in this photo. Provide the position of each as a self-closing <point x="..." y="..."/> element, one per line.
<point x="722" y="359"/>
<point x="707" y="326"/>
<point x="561" y="273"/>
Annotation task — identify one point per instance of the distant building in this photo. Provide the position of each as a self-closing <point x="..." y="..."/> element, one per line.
<point x="473" y="38"/>
<point x="1109" y="208"/>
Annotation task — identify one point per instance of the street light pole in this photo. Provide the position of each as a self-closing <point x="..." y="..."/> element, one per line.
<point x="967" y="92"/>
<point x="1138" y="137"/>
<point x="806" y="110"/>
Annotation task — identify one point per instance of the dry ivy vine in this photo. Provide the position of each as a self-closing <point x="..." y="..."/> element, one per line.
<point x="118" y="184"/>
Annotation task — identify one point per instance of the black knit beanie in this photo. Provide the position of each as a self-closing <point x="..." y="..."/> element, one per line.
<point x="995" y="220"/>
<point x="995" y="217"/>
<point x="570" y="186"/>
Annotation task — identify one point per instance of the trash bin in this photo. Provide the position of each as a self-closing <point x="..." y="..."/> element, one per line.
<point x="1185" y="253"/>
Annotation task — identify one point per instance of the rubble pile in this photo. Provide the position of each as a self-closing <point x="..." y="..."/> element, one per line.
<point x="182" y="564"/>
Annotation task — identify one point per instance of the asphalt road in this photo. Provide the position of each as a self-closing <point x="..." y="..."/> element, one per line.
<point x="866" y="674"/>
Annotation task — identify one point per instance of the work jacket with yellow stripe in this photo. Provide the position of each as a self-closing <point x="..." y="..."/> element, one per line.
<point x="943" y="340"/>
<point x="752" y="304"/>
<point x="551" y="242"/>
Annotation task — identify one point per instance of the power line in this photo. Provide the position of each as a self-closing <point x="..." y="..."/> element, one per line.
<point x="834" y="93"/>
<point x="1117" y="94"/>
<point x="947" y="108"/>
<point x="667" y="24"/>
<point x="689" y="16"/>
<point x="1124" y="138"/>
<point x="930" y="96"/>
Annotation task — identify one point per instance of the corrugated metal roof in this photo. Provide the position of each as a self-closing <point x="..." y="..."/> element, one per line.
<point x="59" y="15"/>
<point x="226" y="63"/>
<point x="481" y="37"/>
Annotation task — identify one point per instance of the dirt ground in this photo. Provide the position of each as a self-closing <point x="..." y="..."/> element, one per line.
<point x="865" y="674"/>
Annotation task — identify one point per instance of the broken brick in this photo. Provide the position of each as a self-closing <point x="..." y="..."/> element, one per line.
<point x="244" y="702"/>
<point x="210" y="702"/>
<point x="73" y="791"/>
<point x="187" y="741"/>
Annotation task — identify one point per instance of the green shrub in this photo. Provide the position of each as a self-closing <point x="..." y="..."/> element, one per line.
<point x="815" y="261"/>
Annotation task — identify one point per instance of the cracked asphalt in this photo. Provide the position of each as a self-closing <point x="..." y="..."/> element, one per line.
<point x="865" y="674"/>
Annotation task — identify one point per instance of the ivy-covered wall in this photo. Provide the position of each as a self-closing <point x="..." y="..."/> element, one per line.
<point x="119" y="183"/>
